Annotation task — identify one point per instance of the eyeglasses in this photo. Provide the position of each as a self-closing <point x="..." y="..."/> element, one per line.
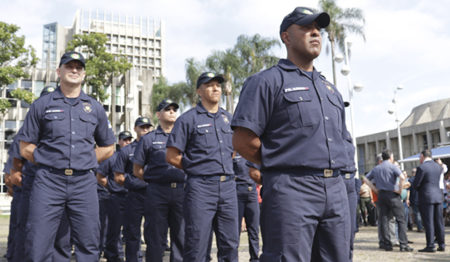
<point x="170" y="108"/>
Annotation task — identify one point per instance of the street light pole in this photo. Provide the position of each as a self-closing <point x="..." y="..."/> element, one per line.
<point x="346" y="72"/>
<point x="399" y="133"/>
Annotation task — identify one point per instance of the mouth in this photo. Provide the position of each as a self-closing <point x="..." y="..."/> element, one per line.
<point x="315" y="42"/>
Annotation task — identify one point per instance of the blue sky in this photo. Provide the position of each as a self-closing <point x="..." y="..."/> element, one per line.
<point x="407" y="42"/>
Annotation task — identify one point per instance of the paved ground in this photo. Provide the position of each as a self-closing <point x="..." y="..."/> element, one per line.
<point x="366" y="247"/>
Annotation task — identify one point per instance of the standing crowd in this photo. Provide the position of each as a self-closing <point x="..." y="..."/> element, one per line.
<point x="195" y="176"/>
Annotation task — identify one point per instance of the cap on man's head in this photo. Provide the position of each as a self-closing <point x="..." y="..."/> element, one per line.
<point x="207" y="77"/>
<point x="70" y="56"/>
<point x="142" y="121"/>
<point x="124" y="135"/>
<point x="47" y="90"/>
<point x="304" y="16"/>
<point x="166" y="103"/>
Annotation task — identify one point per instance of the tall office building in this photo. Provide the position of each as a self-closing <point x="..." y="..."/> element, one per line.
<point x="138" y="38"/>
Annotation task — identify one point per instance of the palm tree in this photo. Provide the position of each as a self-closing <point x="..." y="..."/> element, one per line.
<point x="342" y="22"/>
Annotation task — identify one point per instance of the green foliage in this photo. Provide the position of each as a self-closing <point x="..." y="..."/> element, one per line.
<point x="4" y="105"/>
<point x="13" y="55"/>
<point x="249" y="55"/>
<point x="23" y="95"/>
<point x="100" y="65"/>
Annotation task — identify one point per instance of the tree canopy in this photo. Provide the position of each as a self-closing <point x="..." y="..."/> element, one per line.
<point x="100" y="65"/>
<point x="14" y="58"/>
<point x="343" y="21"/>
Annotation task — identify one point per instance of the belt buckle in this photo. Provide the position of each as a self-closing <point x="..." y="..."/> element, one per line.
<point x="223" y="178"/>
<point x="68" y="172"/>
<point x="173" y="185"/>
<point x="327" y="172"/>
<point x="347" y="175"/>
<point x="250" y="188"/>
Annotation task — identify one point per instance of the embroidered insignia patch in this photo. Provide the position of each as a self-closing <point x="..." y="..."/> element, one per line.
<point x="87" y="107"/>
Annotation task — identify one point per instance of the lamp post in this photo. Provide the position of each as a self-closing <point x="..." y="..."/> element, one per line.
<point x="392" y="110"/>
<point x="351" y="88"/>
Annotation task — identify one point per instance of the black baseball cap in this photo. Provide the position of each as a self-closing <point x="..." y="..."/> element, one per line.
<point x="125" y="134"/>
<point x="208" y="77"/>
<point x="70" y="56"/>
<point x="142" y="121"/>
<point x="304" y="16"/>
<point x="166" y="103"/>
<point x="47" y="90"/>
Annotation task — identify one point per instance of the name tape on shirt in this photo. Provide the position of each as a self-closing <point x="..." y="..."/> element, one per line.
<point x="158" y="143"/>
<point x="292" y="89"/>
<point x="204" y="125"/>
<point x="54" y="111"/>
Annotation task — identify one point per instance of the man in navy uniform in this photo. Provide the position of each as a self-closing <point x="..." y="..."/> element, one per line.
<point x="385" y="176"/>
<point x="134" y="207"/>
<point x="426" y="183"/>
<point x="165" y="190"/>
<point x="292" y="121"/>
<point x="116" y="202"/>
<point x="200" y="144"/>
<point x="248" y="206"/>
<point x="66" y="133"/>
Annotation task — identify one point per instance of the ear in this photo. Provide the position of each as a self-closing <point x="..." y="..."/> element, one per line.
<point x="285" y="37"/>
<point x="158" y="115"/>
<point x="58" y="72"/>
<point x="198" y="91"/>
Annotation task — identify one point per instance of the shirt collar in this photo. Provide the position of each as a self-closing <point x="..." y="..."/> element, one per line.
<point x="287" y="65"/>
<point x="159" y="130"/>
<point x="201" y="109"/>
<point x="59" y="95"/>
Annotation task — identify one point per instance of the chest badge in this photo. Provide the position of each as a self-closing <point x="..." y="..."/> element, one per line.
<point x="225" y="119"/>
<point x="87" y="107"/>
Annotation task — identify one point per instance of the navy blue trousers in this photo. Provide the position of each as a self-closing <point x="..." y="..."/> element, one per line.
<point x="115" y="207"/>
<point x="296" y="209"/>
<point x="352" y="203"/>
<point x="134" y="212"/>
<point x="210" y="204"/>
<point x="433" y="221"/>
<point x="14" y="224"/>
<point x="62" y="247"/>
<point x="164" y="208"/>
<point x="51" y="195"/>
<point x="248" y="208"/>
<point x="103" y="197"/>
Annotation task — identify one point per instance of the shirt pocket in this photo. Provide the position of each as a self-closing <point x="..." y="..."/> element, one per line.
<point x="298" y="106"/>
<point x="205" y="137"/>
<point x="227" y="138"/>
<point x="336" y="111"/>
<point x="55" y="122"/>
<point x="87" y="125"/>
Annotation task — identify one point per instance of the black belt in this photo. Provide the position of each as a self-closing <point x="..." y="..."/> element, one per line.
<point x="167" y="184"/>
<point x="326" y="173"/>
<point x="66" y="171"/>
<point x="220" y="178"/>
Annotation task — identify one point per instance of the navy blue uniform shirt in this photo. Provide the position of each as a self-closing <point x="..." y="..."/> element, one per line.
<point x="124" y="165"/>
<point x="299" y="120"/>
<point x="241" y="170"/>
<point x="65" y="134"/>
<point x="28" y="168"/>
<point x="384" y="175"/>
<point x="205" y="140"/>
<point x="105" y="169"/>
<point x="151" y="153"/>
<point x="350" y="166"/>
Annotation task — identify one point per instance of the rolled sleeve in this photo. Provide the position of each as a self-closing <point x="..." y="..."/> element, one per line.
<point x="257" y="93"/>
<point x="104" y="136"/>
<point x="139" y="152"/>
<point x="179" y="135"/>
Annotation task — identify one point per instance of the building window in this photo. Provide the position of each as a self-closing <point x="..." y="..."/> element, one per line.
<point x="129" y="40"/>
<point x="10" y="124"/>
<point x="144" y="41"/>
<point x="158" y="62"/>
<point x="130" y="59"/>
<point x="136" y="51"/>
<point x="150" y="61"/>
<point x="122" y="39"/>
<point x="122" y="49"/>
<point x="158" y="43"/>
<point x="114" y="48"/>
<point x="137" y="60"/>
<point x="129" y="50"/>
<point x="26" y="84"/>
<point x="158" y="52"/>
<point x="115" y="39"/>
<point x="144" y="51"/>
<point x="144" y="60"/>
<point x="136" y="41"/>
